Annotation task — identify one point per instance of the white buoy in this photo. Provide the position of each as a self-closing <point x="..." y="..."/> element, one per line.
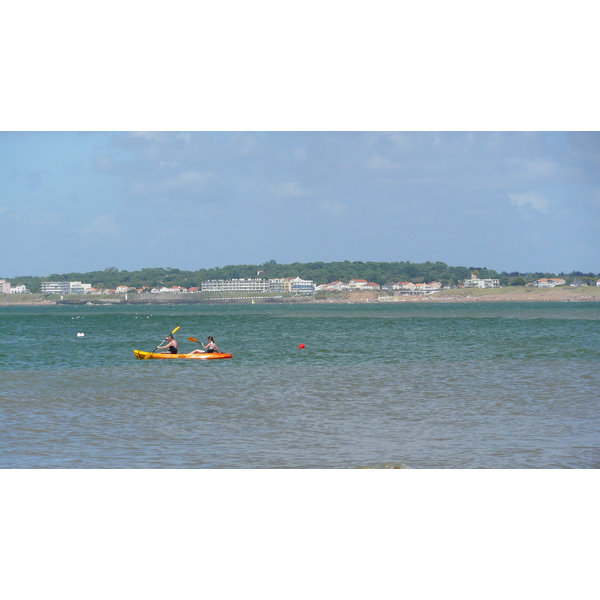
<point x="80" y="334"/>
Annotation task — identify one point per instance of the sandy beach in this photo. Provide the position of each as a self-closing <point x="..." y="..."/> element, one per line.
<point x="507" y="294"/>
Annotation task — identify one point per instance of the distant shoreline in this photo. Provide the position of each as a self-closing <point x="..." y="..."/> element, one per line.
<point x="462" y="295"/>
<point x="510" y="294"/>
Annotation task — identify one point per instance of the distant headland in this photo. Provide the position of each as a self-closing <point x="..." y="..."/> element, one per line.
<point x="380" y="273"/>
<point x="300" y="282"/>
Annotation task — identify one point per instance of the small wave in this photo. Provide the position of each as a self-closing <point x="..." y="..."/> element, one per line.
<point x="389" y="465"/>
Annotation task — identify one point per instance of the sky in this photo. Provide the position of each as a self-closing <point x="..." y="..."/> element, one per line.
<point x="198" y="137"/>
<point x="83" y="201"/>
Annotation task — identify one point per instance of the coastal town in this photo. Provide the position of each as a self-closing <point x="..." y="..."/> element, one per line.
<point x="251" y="289"/>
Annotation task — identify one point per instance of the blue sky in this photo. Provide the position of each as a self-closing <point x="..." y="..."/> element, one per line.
<point x="507" y="201"/>
<point x="311" y="136"/>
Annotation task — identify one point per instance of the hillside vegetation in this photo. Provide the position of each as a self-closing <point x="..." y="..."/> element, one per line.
<point x="319" y="272"/>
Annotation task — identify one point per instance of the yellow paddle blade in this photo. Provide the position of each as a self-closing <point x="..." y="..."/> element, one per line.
<point x="174" y="330"/>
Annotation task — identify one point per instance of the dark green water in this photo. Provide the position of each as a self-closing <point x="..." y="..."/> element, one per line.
<point x="506" y="385"/>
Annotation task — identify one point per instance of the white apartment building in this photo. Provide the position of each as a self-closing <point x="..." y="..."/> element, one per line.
<point x="284" y="285"/>
<point x="65" y="287"/>
<point x="301" y="286"/>
<point x="235" y="285"/>
<point x="475" y="282"/>
<point x="56" y="287"/>
<point x="279" y="286"/>
<point x="4" y="287"/>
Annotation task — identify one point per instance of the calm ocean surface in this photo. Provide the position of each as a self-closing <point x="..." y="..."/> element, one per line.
<point x="494" y="385"/>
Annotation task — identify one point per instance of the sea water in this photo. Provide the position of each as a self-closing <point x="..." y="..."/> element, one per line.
<point x="489" y="385"/>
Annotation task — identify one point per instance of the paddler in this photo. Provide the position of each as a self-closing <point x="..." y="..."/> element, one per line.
<point x="171" y="345"/>
<point x="208" y="348"/>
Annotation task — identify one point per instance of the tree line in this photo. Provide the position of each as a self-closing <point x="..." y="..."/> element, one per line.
<point x="319" y="272"/>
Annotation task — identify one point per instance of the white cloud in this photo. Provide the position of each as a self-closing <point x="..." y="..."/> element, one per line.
<point x="105" y="225"/>
<point x="401" y="141"/>
<point x="104" y="162"/>
<point x="150" y="136"/>
<point x="184" y="183"/>
<point x="533" y="200"/>
<point x="380" y="163"/>
<point x="332" y="207"/>
<point x="290" y="189"/>
<point x="541" y="168"/>
<point x="299" y="153"/>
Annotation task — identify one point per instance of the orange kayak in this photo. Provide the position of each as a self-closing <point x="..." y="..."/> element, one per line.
<point x="204" y="356"/>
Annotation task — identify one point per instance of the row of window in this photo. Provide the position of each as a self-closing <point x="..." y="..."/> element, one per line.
<point x="258" y="285"/>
